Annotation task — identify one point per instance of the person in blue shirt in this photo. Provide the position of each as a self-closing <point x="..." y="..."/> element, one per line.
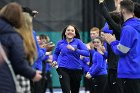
<point x="46" y="64"/>
<point x="88" y="83"/>
<point x="67" y="56"/>
<point x="37" y="87"/>
<point x="128" y="49"/>
<point x="98" y="69"/>
<point x="94" y="32"/>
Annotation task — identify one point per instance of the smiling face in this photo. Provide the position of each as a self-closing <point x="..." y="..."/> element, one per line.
<point x="70" y="32"/>
<point x="97" y="42"/>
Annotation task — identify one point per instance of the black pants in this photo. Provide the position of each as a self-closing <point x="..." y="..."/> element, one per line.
<point x="131" y="85"/>
<point x="48" y="82"/>
<point x="88" y="84"/>
<point x="38" y="87"/>
<point x="100" y="83"/>
<point x="114" y="84"/>
<point x="69" y="80"/>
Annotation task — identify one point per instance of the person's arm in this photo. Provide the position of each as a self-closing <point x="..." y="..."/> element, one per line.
<point x="56" y="52"/>
<point x="40" y="51"/>
<point x="123" y="46"/>
<point x="126" y="41"/>
<point x="117" y="4"/>
<point x="18" y="58"/>
<point x="82" y="49"/>
<point x="114" y="26"/>
<point x="95" y="69"/>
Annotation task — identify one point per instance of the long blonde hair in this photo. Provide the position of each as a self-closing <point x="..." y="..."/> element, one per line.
<point x="27" y="35"/>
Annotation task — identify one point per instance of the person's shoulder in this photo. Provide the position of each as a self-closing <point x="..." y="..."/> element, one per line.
<point x="11" y="34"/>
<point x="60" y="41"/>
<point x="128" y="28"/>
<point x="78" y="40"/>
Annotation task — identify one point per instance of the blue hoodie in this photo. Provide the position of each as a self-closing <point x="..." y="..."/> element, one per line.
<point x="38" y="63"/>
<point x="41" y="54"/>
<point x="67" y="58"/>
<point x="99" y="64"/>
<point x="128" y="49"/>
<point x="39" y="50"/>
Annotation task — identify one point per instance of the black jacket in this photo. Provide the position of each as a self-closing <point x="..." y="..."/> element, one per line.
<point x="112" y="58"/>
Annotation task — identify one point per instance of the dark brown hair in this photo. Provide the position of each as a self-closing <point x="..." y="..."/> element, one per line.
<point x="116" y="16"/>
<point x="100" y="38"/>
<point x="12" y="12"/>
<point x="137" y="9"/>
<point x="76" y="32"/>
<point x="128" y="5"/>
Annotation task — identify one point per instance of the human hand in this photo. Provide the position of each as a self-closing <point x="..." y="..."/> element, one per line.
<point x="88" y="63"/>
<point x="81" y="57"/>
<point x="88" y="46"/>
<point x="49" y="47"/>
<point x="103" y="49"/>
<point x="101" y="1"/>
<point x="54" y="63"/>
<point x="100" y="51"/>
<point x="117" y="2"/>
<point x="109" y="38"/>
<point x="88" y="76"/>
<point x="70" y="47"/>
<point x="91" y="46"/>
<point x="117" y="5"/>
<point x="37" y="76"/>
<point x="48" y="53"/>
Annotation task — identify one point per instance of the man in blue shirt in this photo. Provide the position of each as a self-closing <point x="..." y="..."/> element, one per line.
<point x="128" y="48"/>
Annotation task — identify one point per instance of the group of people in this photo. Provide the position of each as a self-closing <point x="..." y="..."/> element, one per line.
<point x="110" y="62"/>
<point x="113" y="65"/>
<point x="19" y="50"/>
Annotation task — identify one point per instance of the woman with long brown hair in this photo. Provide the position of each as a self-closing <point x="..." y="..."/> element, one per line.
<point x="10" y="18"/>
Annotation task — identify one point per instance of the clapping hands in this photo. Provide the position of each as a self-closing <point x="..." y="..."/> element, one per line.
<point x="109" y="38"/>
<point x="101" y="1"/>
